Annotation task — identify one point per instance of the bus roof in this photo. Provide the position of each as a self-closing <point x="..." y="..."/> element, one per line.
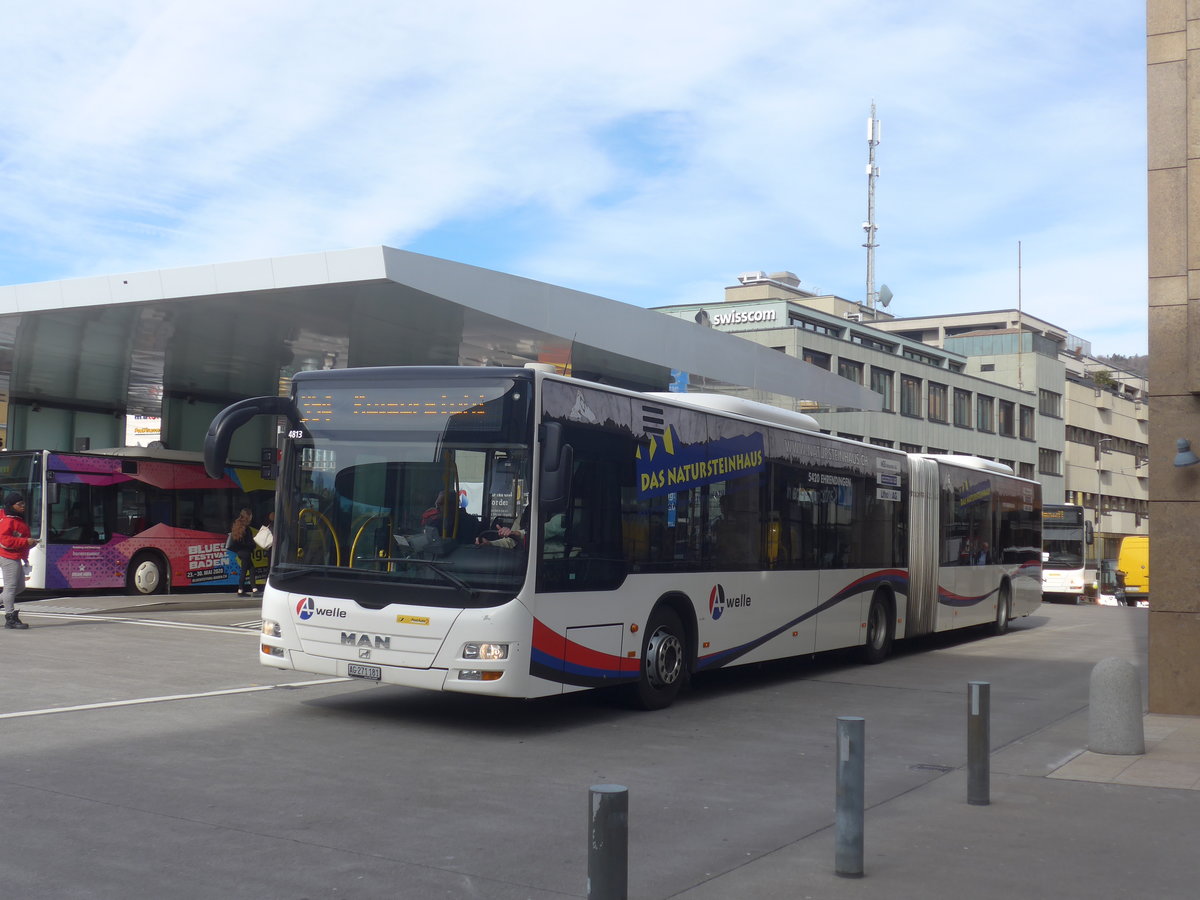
<point x="740" y="406"/>
<point x="969" y="462"/>
<point x="145" y="453"/>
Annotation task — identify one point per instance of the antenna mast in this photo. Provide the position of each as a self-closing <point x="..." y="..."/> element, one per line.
<point x="873" y="135"/>
<point x="1020" y="327"/>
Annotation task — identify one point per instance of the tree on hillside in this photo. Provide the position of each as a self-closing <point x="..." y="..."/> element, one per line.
<point x="1139" y="365"/>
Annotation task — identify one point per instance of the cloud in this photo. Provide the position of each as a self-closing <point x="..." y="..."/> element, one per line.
<point x="640" y="151"/>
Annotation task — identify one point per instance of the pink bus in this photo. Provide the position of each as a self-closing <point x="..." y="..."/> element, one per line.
<point x="135" y="519"/>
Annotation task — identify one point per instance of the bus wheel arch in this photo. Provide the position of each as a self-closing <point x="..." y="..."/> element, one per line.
<point x="148" y="573"/>
<point x="668" y="650"/>
<point x="1003" y="608"/>
<point x="881" y="626"/>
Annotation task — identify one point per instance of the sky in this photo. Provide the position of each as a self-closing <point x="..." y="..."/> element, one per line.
<point x="649" y="151"/>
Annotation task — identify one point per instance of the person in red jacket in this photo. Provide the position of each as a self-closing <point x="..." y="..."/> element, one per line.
<point x="14" y="550"/>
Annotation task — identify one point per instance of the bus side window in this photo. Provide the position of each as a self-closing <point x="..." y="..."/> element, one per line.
<point x="737" y="534"/>
<point x="131" y="510"/>
<point x="73" y="518"/>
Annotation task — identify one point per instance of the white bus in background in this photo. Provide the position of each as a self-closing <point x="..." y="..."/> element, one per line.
<point x="659" y="535"/>
<point x="1065" y="538"/>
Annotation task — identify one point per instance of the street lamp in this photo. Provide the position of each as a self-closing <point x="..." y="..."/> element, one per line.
<point x="1100" y="451"/>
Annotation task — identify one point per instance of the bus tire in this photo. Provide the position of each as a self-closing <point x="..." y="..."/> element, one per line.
<point x="664" y="660"/>
<point x="881" y="629"/>
<point x="1003" y="611"/>
<point x="147" y="575"/>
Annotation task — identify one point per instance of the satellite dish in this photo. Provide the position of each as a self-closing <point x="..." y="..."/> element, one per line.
<point x="885" y="295"/>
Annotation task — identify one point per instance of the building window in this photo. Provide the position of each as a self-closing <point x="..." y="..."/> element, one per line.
<point x="1050" y="404"/>
<point x="1006" y="423"/>
<point x="939" y="451"/>
<point x="882" y="442"/>
<point x="817" y="327"/>
<point x="918" y="356"/>
<point x="910" y="448"/>
<point x="984" y="415"/>
<point x="1092" y="439"/>
<point x="910" y="396"/>
<point x="881" y="383"/>
<point x="856" y="338"/>
<point x="1027" y="470"/>
<point x="850" y="370"/>
<point x="962" y="408"/>
<point x="1027" y="423"/>
<point x="987" y="367"/>
<point x="850" y="437"/>
<point x="938" y="411"/>
<point x="817" y="358"/>
<point x="1049" y="461"/>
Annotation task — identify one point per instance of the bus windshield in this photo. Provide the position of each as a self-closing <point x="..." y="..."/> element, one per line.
<point x="22" y="472"/>
<point x="1064" y="550"/>
<point x="406" y="486"/>
<point x="1063" y="537"/>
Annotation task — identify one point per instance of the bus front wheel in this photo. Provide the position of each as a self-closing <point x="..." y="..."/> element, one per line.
<point x="146" y="575"/>
<point x="664" y="661"/>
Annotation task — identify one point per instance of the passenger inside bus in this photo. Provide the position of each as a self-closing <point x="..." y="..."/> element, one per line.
<point x="554" y="545"/>
<point x="451" y="520"/>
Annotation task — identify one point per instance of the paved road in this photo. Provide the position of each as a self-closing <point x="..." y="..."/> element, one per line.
<point x="145" y="753"/>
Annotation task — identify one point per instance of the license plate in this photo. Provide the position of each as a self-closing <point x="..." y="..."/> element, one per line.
<point x="357" y="670"/>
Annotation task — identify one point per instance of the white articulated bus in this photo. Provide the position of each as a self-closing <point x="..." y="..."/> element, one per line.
<point x="656" y="535"/>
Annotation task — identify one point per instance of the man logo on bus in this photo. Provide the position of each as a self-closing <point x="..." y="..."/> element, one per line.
<point x="718" y="602"/>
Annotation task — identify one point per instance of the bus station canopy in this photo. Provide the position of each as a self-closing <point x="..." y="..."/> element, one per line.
<point x="78" y="356"/>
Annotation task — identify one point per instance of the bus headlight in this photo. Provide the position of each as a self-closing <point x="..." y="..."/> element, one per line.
<point x="270" y="628"/>
<point x="477" y="650"/>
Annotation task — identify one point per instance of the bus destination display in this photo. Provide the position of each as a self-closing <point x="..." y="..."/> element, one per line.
<point x="366" y="407"/>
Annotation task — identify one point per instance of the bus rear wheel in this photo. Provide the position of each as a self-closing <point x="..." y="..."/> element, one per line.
<point x="881" y="630"/>
<point x="146" y="575"/>
<point x="1003" y="611"/>
<point x="664" y="661"/>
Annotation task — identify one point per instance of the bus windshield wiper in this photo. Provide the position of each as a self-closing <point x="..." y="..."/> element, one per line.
<point x="445" y="573"/>
<point x="292" y="572"/>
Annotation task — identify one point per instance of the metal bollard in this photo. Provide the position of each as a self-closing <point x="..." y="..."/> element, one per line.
<point x="979" y="742"/>
<point x="608" y="849"/>
<point x="851" y="796"/>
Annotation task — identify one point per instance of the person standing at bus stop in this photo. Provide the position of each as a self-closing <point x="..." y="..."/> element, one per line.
<point x="241" y="542"/>
<point x="15" y="544"/>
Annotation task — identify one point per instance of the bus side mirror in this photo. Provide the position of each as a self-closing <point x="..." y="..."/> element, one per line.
<point x="1089" y="533"/>
<point x="558" y="462"/>
<point x="230" y="419"/>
